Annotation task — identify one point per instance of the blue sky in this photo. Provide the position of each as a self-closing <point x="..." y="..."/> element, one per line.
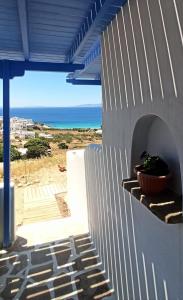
<point x="49" y="89"/>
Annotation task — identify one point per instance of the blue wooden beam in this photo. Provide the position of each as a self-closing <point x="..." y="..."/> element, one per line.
<point x="22" y="11"/>
<point x="99" y="16"/>
<point x="6" y="152"/>
<point x="84" y="81"/>
<point x="90" y="58"/>
<point x="18" y="68"/>
<point x="93" y="54"/>
<point x="52" y="67"/>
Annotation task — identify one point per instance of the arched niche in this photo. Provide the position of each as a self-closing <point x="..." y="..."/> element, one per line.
<point x="152" y="134"/>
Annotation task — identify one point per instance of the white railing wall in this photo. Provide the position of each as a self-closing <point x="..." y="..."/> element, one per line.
<point x="140" y="254"/>
<point x="106" y="206"/>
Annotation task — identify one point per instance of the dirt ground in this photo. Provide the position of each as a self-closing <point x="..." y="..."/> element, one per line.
<point x="22" y="169"/>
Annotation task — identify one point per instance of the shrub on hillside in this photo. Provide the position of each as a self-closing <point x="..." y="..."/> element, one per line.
<point x="36" y="151"/>
<point x="14" y="153"/>
<point x="37" y="147"/>
<point x="37" y="142"/>
<point x="68" y="137"/>
<point x="62" y="146"/>
<point x="81" y="129"/>
<point x="58" y="138"/>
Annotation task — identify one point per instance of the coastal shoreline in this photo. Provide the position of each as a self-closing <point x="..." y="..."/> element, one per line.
<point x="72" y="128"/>
<point x="61" y="117"/>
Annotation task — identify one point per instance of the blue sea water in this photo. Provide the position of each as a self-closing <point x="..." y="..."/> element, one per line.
<point x="62" y="117"/>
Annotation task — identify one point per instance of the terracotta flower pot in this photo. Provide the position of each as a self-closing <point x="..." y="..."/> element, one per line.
<point x="151" y="184"/>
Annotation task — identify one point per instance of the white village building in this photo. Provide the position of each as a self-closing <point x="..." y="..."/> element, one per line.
<point x="19" y="127"/>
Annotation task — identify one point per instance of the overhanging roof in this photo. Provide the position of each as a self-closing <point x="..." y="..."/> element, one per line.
<point x="55" y="31"/>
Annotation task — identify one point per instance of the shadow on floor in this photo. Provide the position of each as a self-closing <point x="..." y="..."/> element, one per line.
<point x="62" y="269"/>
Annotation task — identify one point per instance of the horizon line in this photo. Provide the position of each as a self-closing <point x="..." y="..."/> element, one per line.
<point x="79" y="106"/>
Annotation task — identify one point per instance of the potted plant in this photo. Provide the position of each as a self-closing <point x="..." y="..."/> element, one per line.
<point x="153" y="174"/>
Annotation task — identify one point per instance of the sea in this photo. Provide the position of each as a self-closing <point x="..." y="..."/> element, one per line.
<point x="62" y="117"/>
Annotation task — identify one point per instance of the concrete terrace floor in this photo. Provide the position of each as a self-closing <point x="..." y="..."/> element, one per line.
<point x="47" y="231"/>
<point x="61" y="269"/>
<point x="52" y="258"/>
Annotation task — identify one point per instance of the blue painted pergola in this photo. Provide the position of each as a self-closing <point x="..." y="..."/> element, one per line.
<point x="51" y="36"/>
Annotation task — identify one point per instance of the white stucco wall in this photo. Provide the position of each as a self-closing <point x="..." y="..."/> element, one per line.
<point x="76" y="186"/>
<point x="160" y="142"/>
<point x="142" y="51"/>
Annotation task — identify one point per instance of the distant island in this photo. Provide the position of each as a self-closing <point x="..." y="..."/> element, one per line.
<point x="42" y="106"/>
<point x="89" y="105"/>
